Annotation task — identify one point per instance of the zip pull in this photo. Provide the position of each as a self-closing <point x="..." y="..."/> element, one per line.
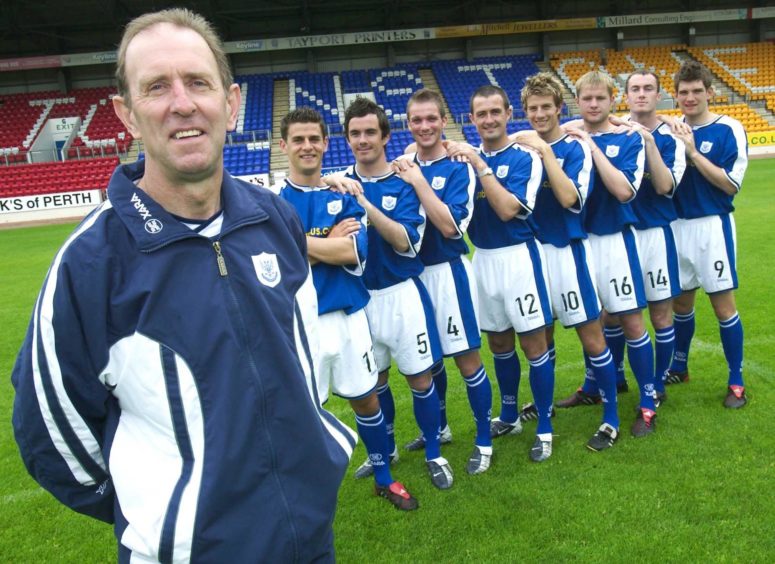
<point x="219" y="257"/>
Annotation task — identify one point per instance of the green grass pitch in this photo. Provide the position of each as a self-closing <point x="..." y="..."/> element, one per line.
<point x="694" y="491"/>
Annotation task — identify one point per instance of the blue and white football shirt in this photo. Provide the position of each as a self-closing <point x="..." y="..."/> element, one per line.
<point x="337" y="287"/>
<point x="652" y="209"/>
<point x="553" y="223"/>
<point x="604" y="214"/>
<point x="519" y="171"/>
<point x="724" y="143"/>
<point x="398" y="201"/>
<point x="454" y="183"/>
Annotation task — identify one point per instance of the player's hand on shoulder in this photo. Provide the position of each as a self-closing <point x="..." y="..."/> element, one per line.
<point x="452" y="149"/>
<point x="343" y="184"/>
<point x="406" y="169"/>
<point x="531" y="140"/>
<point x="345" y="228"/>
<point x="680" y="129"/>
<point x="624" y="126"/>
<point x="630" y="127"/>
<point x="460" y="152"/>
<point x="578" y="133"/>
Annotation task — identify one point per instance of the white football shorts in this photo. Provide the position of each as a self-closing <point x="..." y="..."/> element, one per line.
<point x="452" y="288"/>
<point x="707" y="252"/>
<point x="572" y="283"/>
<point x="346" y="365"/>
<point x="513" y="288"/>
<point x="403" y="327"/>
<point x="659" y="263"/>
<point x="619" y="276"/>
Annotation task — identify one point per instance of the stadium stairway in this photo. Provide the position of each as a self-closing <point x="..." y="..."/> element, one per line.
<point x="453" y="130"/>
<point x="280" y="107"/>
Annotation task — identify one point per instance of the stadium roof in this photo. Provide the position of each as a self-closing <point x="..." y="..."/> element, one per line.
<point x="53" y="27"/>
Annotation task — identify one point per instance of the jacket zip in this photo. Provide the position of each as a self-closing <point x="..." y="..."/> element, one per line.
<point x="223" y="271"/>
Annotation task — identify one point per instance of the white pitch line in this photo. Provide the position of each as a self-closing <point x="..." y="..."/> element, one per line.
<point x="20" y="496"/>
<point x="749" y="366"/>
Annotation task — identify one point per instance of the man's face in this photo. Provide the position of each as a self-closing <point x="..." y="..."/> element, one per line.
<point x="426" y="124"/>
<point x="177" y="104"/>
<point x="693" y="98"/>
<point x="365" y="139"/>
<point x="595" y="104"/>
<point x="305" y="146"/>
<point x="490" y="117"/>
<point x="543" y="114"/>
<point x="642" y="94"/>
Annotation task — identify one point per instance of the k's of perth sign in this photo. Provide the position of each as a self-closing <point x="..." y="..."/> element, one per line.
<point x="50" y="201"/>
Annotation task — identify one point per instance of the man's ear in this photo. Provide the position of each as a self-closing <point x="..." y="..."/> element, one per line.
<point x="124" y="113"/>
<point x="233" y="99"/>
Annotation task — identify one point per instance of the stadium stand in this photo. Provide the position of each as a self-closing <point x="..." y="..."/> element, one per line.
<point x="246" y="158"/>
<point x="661" y="60"/>
<point x="747" y="68"/>
<point x="46" y="178"/>
<point x="459" y="79"/>
<point x="255" y="114"/>
<point x="752" y="121"/>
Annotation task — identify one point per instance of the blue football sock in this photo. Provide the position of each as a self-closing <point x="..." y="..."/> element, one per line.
<point x="542" y="384"/>
<point x="614" y="338"/>
<point x="373" y="431"/>
<point x="640" y="353"/>
<point x="684" y="332"/>
<point x="664" y="344"/>
<point x="388" y="407"/>
<point x="426" y="413"/>
<point x="480" y="399"/>
<point x="552" y="353"/>
<point x="605" y="374"/>
<point x="439" y="373"/>
<point x="732" y="341"/>
<point x="507" y="372"/>
<point x="589" y="386"/>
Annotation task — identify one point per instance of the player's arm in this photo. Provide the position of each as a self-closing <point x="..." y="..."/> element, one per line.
<point x="615" y="181"/>
<point x="338" y="182"/>
<point x="391" y="231"/>
<point x="338" y="247"/>
<point x="714" y="174"/>
<point x="661" y="176"/>
<point x="436" y="210"/>
<point x="60" y="404"/>
<point x="504" y="203"/>
<point x="563" y="187"/>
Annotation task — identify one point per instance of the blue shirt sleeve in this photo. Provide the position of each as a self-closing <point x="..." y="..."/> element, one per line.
<point x="577" y="166"/>
<point x="632" y="161"/>
<point x="524" y="179"/>
<point x="459" y="196"/>
<point x="410" y="214"/>
<point x="352" y="209"/>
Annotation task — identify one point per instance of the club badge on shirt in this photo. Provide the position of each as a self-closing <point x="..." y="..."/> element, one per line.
<point x="267" y="269"/>
<point x="334" y="207"/>
<point x="612" y="151"/>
